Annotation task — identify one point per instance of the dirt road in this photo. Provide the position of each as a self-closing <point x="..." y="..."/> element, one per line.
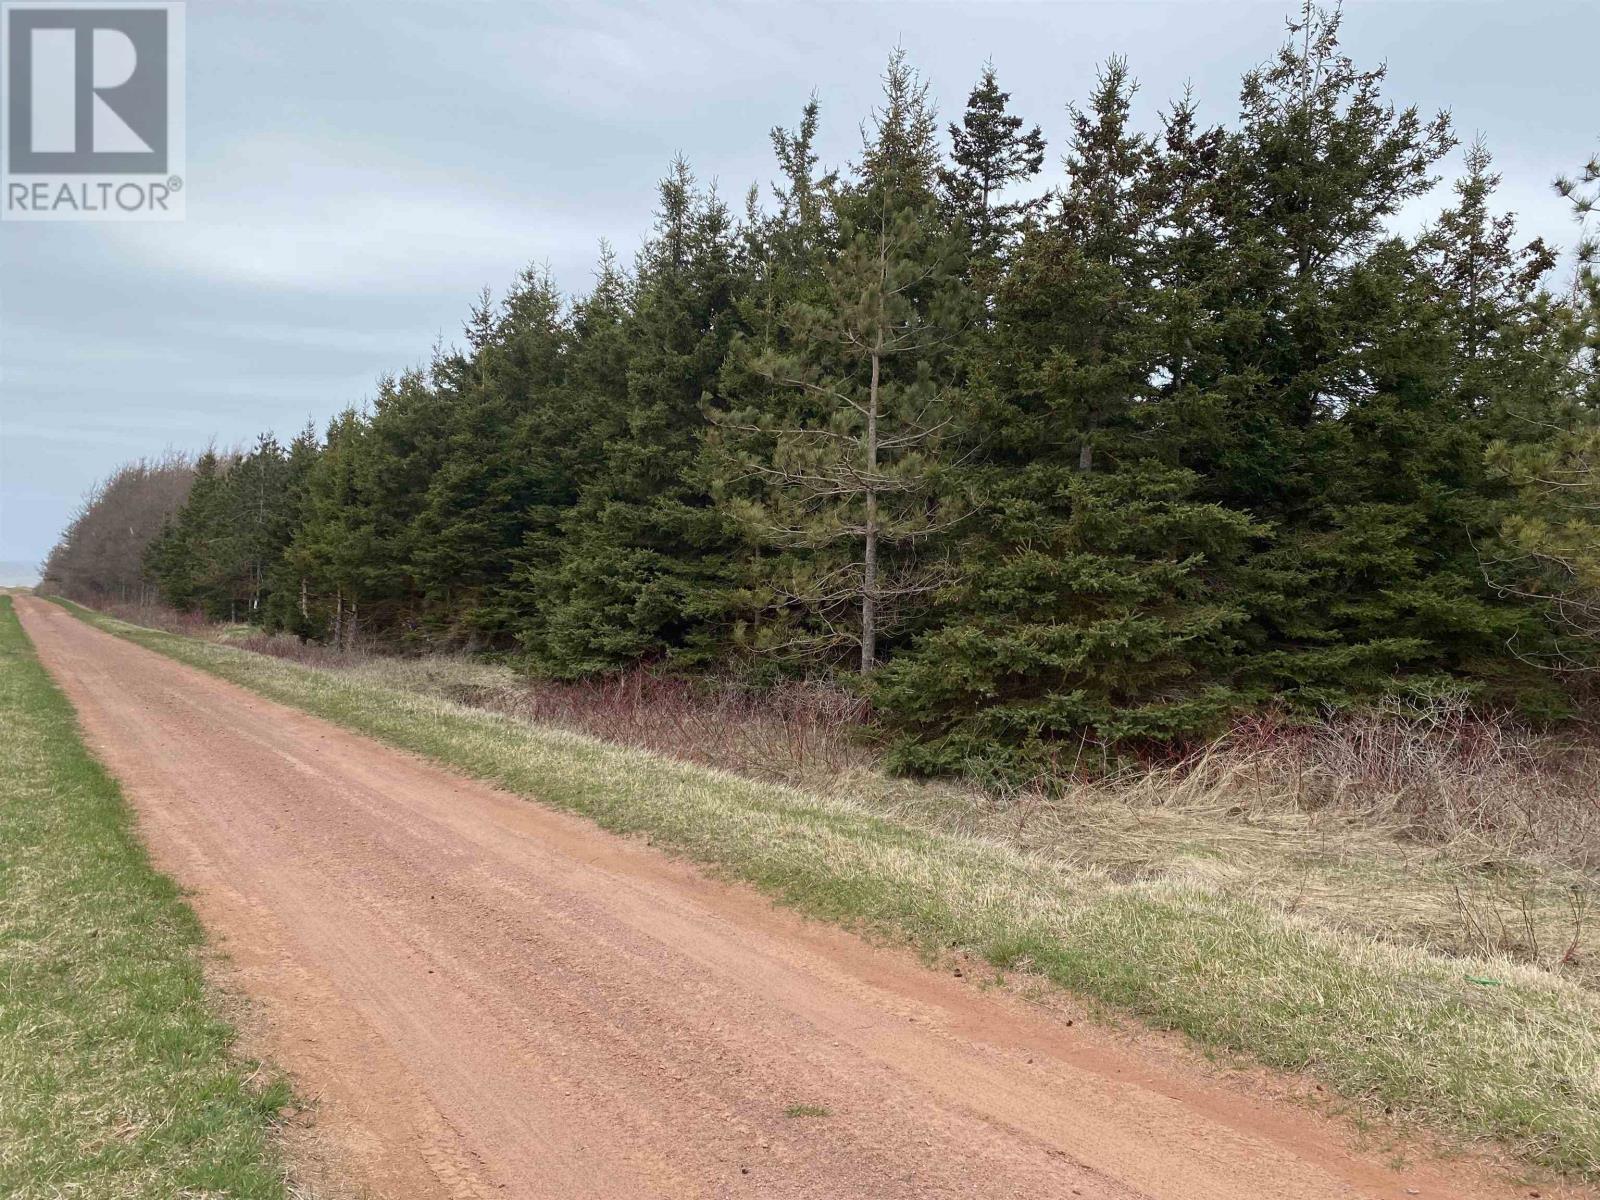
<point x="490" y="999"/>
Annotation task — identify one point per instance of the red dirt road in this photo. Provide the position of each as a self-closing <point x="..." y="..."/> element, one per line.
<point x="490" y="999"/>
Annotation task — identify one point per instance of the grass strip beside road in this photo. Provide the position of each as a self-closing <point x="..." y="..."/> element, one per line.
<point x="116" y="1075"/>
<point x="1474" y="1048"/>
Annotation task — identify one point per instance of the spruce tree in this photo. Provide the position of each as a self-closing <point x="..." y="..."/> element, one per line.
<point x="568" y="439"/>
<point x="644" y="567"/>
<point x="1487" y="291"/>
<point x="1335" y="430"/>
<point x="183" y="558"/>
<point x="287" y="605"/>
<point x="407" y="432"/>
<point x="259" y="528"/>
<point x="991" y="152"/>
<point x="1547" y="554"/>
<point x="1093" y="608"/>
<point x="803" y="194"/>
<point x="501" y="456"/>
<point x="1078" y="476"/>
<point x="330" y="552"/>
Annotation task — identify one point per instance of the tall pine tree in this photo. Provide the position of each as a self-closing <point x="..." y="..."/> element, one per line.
<point x="848" y="400"/>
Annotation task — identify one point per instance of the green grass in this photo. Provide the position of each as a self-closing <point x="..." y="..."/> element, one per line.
<point x="1394" y="1027"/>
<point x="796" y="1111"/>
<point x="116" y="1078"/>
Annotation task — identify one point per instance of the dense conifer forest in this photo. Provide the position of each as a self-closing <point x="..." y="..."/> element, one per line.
<point x="1199" y="431"/>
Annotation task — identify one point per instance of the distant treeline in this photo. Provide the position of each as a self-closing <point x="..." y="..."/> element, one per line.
<point x="1098" y="466"/>
<point x="101" y="556"/>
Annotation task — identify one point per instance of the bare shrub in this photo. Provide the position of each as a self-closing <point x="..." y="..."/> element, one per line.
<point x="159" y="616"/>
<point x="793" y="732"/>
<point x="1434" y="771"/>
<point x="306" y="653"/>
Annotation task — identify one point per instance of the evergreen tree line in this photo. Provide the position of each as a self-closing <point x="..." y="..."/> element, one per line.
<point x="1099" y="465"/>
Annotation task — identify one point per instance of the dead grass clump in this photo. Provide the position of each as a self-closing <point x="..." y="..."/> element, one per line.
<point x="1490" y="789"/>
<point x="1431" y="771"/>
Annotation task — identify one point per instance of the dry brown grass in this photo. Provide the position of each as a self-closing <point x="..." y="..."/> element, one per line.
<point x="159" y="616"/>
<point x="1435" y="772"/>
<point x="794" y="732"/>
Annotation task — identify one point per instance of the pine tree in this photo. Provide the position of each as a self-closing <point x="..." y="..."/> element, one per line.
<point x="900" y="155"/>
<point x="848" y="471"/>
<point x="853" y="391"/>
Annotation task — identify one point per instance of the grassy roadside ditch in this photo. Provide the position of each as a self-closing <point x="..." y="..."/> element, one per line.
<point x="1472" y="1047"/>
<point x="116" y="1075"/>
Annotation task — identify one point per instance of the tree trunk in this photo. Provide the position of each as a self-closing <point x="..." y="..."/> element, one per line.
<point x="869" y="558"/>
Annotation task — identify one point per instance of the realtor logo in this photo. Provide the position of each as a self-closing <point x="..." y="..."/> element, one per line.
<point x="93" y="99"/>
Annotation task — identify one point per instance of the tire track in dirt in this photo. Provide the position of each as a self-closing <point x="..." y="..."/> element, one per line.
<point x="489" y="998"/>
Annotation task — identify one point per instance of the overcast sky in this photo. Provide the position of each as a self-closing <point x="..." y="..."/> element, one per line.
<point x="357" y="171"/>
